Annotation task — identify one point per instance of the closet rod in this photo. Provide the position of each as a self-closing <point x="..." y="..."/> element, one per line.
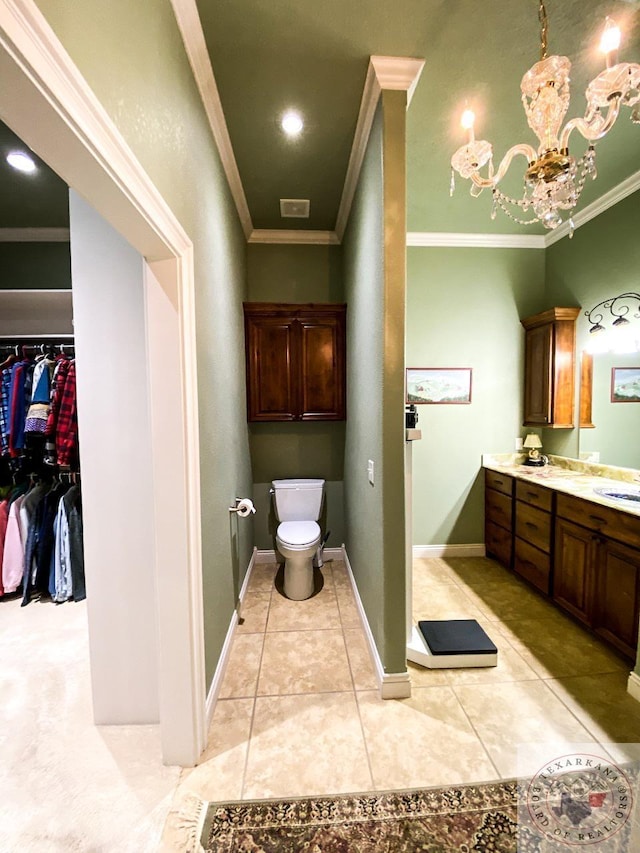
<point x="20" y="338"/>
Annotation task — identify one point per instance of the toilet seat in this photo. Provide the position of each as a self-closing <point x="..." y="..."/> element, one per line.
<point x="298" y="534"/>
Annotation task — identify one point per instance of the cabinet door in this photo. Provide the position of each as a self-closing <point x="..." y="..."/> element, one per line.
<point x="271" y="393"/>
<point x="537" y="376"/>
<point x="573" y="569"/>
<point x="615" y="605"/>
<point x="322" y="369"/>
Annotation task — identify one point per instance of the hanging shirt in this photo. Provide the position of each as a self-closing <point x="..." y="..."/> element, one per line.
<point x="73" y="505"/>
<point x="4" y="518"/>
<point x="67" y="427"/>
<point x="13" y="556"/>
<point x="59" y="380"/>
<point x="5" y="388"/>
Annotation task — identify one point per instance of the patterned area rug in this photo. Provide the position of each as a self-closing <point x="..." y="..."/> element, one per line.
<point x="466" y="819"/>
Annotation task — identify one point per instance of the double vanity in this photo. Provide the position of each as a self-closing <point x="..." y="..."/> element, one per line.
<point x="572" y="530"/>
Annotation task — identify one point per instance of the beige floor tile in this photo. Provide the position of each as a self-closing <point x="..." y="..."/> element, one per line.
<point x="556" y="647"/>
<point x="339" y="573"/>
<point x="478" y="571"/>
<point x="421" y="676"/>
<point x="432" y="568"/>
<point x="349" y="613"/>
<point x="262" y="577"/>
<point x="511" y="667"/>
<point x="220" y="769"/>
<point x="241" y="676"/>
<point x="444" y="602"/>
<point x="502" y="601"/>
<point x="254" y="612"/>
<point x="318" y="612"/>
<point x="421" y="741"/>
<point x="306" y="745"/>
<point x="605" y="709"/>
<point x="521" y="712"/>
<point x="304" y="662"/>
<point x="362" y="671"/>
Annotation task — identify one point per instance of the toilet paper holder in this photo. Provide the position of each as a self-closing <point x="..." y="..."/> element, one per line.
<point x="244" y="507"/>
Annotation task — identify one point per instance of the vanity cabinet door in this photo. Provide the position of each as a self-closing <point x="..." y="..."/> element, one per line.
<point x="615" y="602"/>
<point x="573" y="568"/>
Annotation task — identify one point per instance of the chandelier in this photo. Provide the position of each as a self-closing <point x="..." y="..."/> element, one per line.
<point x="554" y="179"/>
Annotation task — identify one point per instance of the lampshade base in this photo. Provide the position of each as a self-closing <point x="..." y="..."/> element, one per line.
<point x="535" y="463"/>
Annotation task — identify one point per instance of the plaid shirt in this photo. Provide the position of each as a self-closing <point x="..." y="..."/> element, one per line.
<point x="67" y="429"/>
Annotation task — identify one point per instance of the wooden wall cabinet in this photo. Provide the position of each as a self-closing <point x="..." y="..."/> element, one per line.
<point x="549" y="379"/>
<point x="295" y="357"/>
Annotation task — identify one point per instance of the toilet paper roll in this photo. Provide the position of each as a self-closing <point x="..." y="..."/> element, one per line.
<point x="245" y="507"/>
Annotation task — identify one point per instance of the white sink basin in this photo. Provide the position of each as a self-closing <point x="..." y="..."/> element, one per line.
<point x="619" y="493"/>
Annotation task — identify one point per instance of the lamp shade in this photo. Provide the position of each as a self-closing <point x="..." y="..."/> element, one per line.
<point x="532" y="441"/>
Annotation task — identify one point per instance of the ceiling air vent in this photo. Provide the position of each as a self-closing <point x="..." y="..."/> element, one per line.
<point x="294" y="208"/>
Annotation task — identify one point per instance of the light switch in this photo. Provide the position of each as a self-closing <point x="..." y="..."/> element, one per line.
<point x="370" y="471"/>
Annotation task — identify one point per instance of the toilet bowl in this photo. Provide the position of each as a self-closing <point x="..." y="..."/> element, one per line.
<point x="298" y="504"/>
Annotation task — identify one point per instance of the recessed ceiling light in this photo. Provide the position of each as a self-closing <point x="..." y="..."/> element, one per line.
<point x="21" y="161"/>
<point x="292" y="123"/>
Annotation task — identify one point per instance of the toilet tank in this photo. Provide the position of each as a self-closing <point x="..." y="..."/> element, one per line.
<point x="298" y="500"/>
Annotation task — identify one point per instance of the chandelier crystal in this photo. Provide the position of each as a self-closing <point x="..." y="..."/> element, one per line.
<point x="554" y="179"/>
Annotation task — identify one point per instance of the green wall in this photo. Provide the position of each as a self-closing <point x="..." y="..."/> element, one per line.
<point x="602" y="260"/>
<point x="286" y="273"/>
<point x="35" y="266"/>
<point x="374" y="264"/>
<point x="132" y="56"/>
<point x="463" y="310"/>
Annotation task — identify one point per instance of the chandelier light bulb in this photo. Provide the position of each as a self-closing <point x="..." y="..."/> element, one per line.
<point x="610" y="41"/>
<point x="468" y="119"/>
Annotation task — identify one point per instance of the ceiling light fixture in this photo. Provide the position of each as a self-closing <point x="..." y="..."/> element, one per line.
<point x="21" y="161"/>
<point x="554" y="179"/>
<point x="292" y="123"/>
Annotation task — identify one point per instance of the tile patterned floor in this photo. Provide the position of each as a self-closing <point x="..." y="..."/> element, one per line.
<point x="299" y="712"/>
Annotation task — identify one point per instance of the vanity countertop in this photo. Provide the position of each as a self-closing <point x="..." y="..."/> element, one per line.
<point x="570" y="476"/>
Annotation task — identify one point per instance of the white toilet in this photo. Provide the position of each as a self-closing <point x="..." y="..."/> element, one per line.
<point x="298" y="504"/>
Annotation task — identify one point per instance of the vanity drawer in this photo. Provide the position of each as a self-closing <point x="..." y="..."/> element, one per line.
<point x="498" y="508"/>
<point x="534" y="494"/>
<point x="613" y="523"/>
<point x="500" y="482"/>
<point x="533" y="525"/>
<point x="498" y="543"/>
<point x="533" y="565"/>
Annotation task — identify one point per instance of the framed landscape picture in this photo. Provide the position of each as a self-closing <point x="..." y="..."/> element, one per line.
<point x="438" y="384"/>
<point x="625" y="384"/>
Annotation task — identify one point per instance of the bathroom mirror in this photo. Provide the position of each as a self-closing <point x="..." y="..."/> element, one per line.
<point x="613" y="438"/>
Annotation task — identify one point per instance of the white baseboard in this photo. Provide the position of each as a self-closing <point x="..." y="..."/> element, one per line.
<point x="270" y="556"/>
<point x="392" y="685"/>
<point x="214" y="689"/>
<point x="633" y="686"/>
<point x="474" y="550"/>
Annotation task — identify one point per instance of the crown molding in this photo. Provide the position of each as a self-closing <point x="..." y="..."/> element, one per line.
<point x="188" y="19"/>
<point x="475" y="241"/>
<point x="34" y="235"/>
<point x="398" y="72"/>
<point x="299" y="237"/>
<point x="609" y="199"/>
<point x="384" y="72"/>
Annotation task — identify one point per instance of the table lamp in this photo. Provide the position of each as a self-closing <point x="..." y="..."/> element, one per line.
<point x="532" y="443"/>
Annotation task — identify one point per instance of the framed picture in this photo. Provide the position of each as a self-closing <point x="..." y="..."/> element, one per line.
<point x="625" y="384"/>
<point x="438" y="384"/>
